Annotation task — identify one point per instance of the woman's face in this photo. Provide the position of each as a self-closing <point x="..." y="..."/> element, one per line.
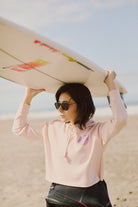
<point x="71" y="114"/>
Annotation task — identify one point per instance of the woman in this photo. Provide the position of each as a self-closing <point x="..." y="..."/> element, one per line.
<point x="75" y="144"/>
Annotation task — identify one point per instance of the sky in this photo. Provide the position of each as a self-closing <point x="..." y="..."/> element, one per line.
<point x="104" y="31"/>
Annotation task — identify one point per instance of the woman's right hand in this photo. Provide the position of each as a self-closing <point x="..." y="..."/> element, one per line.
<point x="30" y="94"/>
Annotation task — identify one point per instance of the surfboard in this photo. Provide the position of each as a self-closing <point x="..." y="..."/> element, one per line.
<point x="34" y="61"/>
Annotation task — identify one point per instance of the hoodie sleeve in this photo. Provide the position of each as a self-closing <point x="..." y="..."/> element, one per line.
<point x="22" y="127"/>
<point x="111" y="127"/>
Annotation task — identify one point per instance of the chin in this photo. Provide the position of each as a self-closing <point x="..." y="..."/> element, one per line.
<point x="62" y="119"/>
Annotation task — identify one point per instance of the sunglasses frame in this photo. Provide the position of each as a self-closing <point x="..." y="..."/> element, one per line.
<point x="64" y="105"/>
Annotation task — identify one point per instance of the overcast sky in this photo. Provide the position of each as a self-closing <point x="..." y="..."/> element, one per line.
<point x="104" y="31"/>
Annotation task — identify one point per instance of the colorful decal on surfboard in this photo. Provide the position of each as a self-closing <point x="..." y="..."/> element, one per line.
<point x="73" y="60"/>
<point x="29" y="66"/>
<point x="70" y="59"/>
<point x="45" y="45"/>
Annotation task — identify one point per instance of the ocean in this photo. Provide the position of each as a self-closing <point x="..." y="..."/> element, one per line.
<point x="132" y="110"/>
<point x="42" y="106"/>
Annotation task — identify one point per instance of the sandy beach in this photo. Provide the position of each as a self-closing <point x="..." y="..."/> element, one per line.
<point x="22" y="170"/>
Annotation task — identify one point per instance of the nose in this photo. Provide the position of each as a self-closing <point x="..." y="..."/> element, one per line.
<point x="60" y="109"/>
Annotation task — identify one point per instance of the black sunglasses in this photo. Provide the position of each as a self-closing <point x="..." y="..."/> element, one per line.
<point x="65" y="105"/>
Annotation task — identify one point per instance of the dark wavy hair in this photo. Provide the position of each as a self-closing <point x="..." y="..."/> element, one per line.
<point x="82" y="96"/>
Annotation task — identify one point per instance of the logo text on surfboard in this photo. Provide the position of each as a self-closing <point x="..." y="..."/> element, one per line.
<point x="70" y="59"/>
<point x="45" y="45"/>
<point x="29" y="66"/>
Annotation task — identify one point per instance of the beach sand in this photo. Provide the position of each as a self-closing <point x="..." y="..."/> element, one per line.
<point x="22" y="169"/>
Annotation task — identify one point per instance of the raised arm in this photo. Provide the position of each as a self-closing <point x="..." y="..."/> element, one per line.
<point x="110" y="128"/>
<point x="20" y="125"/>
<point x="30" y="94"/>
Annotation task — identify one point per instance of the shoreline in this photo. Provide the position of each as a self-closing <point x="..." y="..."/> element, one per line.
<point x="100" y="112"/>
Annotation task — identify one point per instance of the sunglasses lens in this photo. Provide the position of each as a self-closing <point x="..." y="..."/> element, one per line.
<point x="65" y="106"/>
<point x="57" y="105"/>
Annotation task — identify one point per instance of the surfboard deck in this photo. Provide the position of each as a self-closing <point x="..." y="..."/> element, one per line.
<point x="31" y="60"/>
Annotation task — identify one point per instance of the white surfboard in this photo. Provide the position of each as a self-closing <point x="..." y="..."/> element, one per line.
<point x="37" y="62"/>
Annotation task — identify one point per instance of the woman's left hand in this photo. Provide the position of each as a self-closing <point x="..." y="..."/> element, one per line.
<point x="109" y="80"/>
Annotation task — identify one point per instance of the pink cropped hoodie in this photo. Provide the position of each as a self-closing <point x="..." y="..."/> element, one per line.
<point x="73" y="157"/>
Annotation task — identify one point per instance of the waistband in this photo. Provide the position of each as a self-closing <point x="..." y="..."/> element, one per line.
<point x="95" y="195"/>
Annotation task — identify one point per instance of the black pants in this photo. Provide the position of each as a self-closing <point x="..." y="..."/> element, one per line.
<point x="65" y="196"/>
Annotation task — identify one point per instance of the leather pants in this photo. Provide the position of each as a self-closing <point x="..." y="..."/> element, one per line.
<point x="67" y="196"/>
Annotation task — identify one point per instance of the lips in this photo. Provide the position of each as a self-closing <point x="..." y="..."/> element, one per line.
<point x="61" y="115"/>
